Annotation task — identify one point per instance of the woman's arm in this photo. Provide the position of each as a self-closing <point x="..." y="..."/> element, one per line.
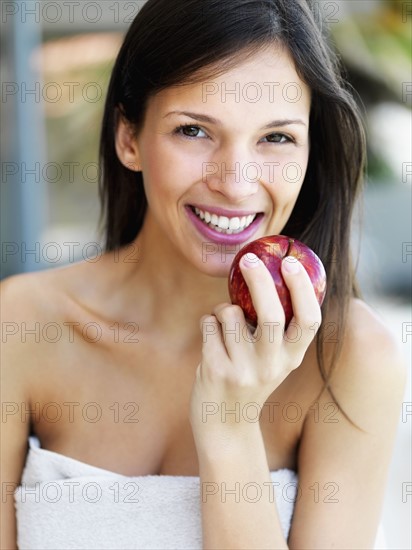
<point x="343" y="470"/>
<point x="237" y="493"/>
<point x="237" y="370"/>
<point x="15" y="372"/>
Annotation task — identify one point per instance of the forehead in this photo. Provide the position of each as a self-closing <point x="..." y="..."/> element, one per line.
<point x="265" y="80"/>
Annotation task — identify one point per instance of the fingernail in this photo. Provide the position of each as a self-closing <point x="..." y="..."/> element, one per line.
<point x="250" y="260"/>
<point x="291" y="264"/>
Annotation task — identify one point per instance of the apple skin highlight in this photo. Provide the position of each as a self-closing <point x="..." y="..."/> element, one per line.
<point x="271" y="250"/>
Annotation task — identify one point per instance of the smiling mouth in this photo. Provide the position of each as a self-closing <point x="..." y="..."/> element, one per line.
<point x="224" y="224"/>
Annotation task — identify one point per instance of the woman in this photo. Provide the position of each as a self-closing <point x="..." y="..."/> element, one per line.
<point x="203" y="93"/>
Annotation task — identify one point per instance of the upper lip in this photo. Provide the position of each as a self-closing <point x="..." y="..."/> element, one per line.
<point x="224" y="211"/>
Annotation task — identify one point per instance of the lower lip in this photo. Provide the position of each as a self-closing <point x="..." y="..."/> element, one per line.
<point x="223" y="238"/>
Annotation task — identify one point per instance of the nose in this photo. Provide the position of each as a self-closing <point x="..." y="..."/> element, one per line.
<point x="233" y="174"/>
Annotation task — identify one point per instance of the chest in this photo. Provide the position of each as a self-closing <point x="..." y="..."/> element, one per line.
<point x="126" y="410"/>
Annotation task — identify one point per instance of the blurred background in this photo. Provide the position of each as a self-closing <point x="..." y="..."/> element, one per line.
<point x="56" y="59"/>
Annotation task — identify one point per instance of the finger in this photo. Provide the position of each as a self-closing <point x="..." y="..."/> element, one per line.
<point x="263" y="291"/>
<point x="234" y="329"/>
<point x="214" y="353"/>
<point x="211" y="333"/>
<point x="306" y="310"/>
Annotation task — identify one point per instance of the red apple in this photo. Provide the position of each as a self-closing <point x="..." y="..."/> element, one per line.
<point x="271" y="250"/>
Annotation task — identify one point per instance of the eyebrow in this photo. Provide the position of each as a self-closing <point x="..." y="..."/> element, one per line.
<point x="284" y="122"/>
<point x="196" y="116"/>
<point x="211" y="120"/>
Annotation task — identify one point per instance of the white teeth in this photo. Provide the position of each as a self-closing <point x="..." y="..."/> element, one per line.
<point x="234" y="224"/>
<point x="223" y="224"/>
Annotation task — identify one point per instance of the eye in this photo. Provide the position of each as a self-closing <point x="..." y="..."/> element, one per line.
<point x="191" y="131"/>
<point x="277" y="138"/>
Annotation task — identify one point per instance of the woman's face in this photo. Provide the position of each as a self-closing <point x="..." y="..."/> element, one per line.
<point x="223" y="161"/>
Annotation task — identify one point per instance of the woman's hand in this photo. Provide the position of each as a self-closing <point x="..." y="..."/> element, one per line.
<point x="240" y="367"/>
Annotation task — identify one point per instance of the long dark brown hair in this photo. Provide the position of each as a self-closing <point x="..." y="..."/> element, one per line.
<point x="181" y="41"/>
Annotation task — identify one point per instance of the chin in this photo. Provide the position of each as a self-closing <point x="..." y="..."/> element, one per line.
<point x="215" y="263"/>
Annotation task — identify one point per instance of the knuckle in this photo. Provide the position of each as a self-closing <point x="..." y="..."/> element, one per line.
<point x="208" y="320"/>
<point x="231" y="313"/>
<point x="309" y="320"/>
<point x="271" y="314"/>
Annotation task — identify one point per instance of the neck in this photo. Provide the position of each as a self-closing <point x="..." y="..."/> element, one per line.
<point x="169" y="293"/>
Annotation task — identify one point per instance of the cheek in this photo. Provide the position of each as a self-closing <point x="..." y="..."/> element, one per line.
<point x="169" y="170"/>
<point x="294" y="166"/>
<point x="291" y="177"/>
<point x="287" y="179"/>
<point x="287" y="176"/>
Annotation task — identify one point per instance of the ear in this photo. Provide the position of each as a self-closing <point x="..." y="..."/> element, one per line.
<point x="126" y="145"/>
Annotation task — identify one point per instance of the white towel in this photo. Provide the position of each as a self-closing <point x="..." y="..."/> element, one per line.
<point x="63" y="503"/>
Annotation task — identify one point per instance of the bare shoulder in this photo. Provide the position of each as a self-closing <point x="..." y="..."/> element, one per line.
<point x="27" y="302"/>
<point x="367" y="332"/>
<point x="47" y="293"/>
<point x="371" y="355"/>
<point x="371" y="369"/>
<point x="348" y="455"/>
<point x="370" y="359"/>
<point x="33" y="307"/>
<point x="30" y="294"/>
<point x="42" y="311"/>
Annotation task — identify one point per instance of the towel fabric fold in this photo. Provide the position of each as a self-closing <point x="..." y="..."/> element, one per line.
<point x="63" y="503"/>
